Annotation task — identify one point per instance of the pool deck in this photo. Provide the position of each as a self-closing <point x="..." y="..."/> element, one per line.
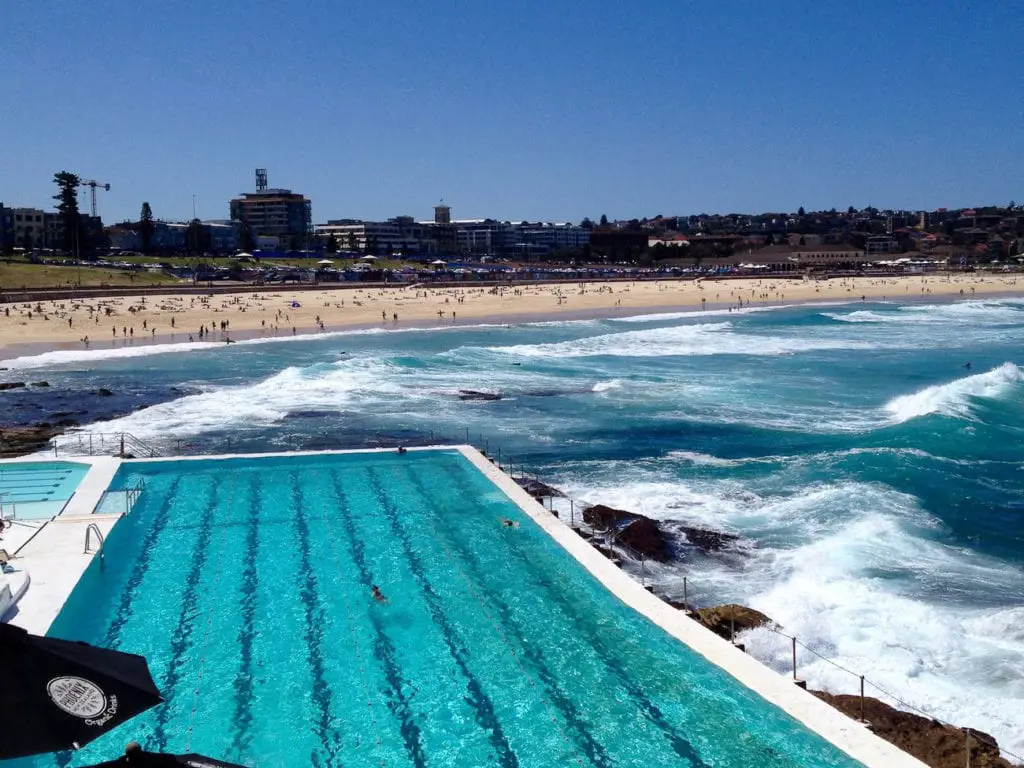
<point x="55" y="559"/>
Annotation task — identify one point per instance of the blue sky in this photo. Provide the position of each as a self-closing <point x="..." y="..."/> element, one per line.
<point x="540" y="110"/>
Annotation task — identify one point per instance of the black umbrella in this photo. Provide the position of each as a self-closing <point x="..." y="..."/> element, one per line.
<point x="60" y="695"/>
<point x="135" y="755"/>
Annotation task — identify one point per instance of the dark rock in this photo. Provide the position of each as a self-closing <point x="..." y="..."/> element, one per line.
<point x="18" y="441"/>
<point x="103" y="392"/>
<point x="11" y="385"/>
<point x="705" y="539"/>
<point x="537" y="489"/>
<point x="67" y="423"/>
<point x="40" y="383"/>
<point x="724" y="619"/>
<point x="660" y="540"/>
<point x="931" y="742"/>
<point x="639" y="533"/>
<point x="472" y="394"/>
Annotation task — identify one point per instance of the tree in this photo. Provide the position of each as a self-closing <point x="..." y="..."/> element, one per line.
<point x="604" y="220"/>
<point x="801" y="211"/>
<point x="26" y="241"/>
<point x="197" y="237"/>
<point x="586" y="223"/>
<point x="331" y="246"/>
<point x="67" y="206"/>
<point x="803" y="240"/>
<point x="352" y="242"/>
<point x="851" y="210"/>
<point x="246" y="241"/>
<point x="146" y="228"/>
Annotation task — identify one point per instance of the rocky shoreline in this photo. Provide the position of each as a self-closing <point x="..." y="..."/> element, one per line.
<point x="618" y="533"/>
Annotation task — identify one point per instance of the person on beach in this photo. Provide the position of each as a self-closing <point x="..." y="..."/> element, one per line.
<point x="378" y="595"/>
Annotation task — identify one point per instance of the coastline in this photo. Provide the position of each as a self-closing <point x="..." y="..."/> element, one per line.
<point x="23" y="332"/>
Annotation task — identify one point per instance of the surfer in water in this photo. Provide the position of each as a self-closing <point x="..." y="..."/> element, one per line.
<point x="968" y="366"/>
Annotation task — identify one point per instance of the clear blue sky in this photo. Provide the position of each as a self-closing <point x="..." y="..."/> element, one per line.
<point x="540" y="109"/>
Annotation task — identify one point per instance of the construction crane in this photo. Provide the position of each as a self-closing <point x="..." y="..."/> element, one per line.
<point x="92" y="189"/>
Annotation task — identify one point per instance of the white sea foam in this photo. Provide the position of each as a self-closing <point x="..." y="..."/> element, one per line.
<point x="956" y="398"/>
<point x="607" y="386"/>
<point x="845" y="568"/>
<point x="682" y="340"/>
<point x="703" y="459"/>
<point x="989" y="312"/>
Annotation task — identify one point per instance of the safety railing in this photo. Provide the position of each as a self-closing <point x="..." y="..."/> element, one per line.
<point x="122" y="444"/>
<point x="89" y="530"/>
<point x="609" y="542"/>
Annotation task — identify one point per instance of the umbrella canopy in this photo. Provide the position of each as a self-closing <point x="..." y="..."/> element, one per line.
<point x="439" y="263"/>
<point x="325" y="261"/>
<point x="66" y="694"/>
<point x="135" y="755"/>
<point x="369" y="258"/>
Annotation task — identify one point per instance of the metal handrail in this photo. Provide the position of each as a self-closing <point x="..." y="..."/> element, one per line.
<point x="88" y="530"/>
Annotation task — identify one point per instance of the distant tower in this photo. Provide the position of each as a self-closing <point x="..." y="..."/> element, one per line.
<point x="442" y="214"/>
<point x="261" y="179"/>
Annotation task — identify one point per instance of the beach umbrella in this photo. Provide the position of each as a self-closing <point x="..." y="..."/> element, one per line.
<point x="369" y="258"/>
<point x="137" y="756"/>
<point x="60" y="694"/>
<point x="325" y="261"/>
<point x="439" y="263"/>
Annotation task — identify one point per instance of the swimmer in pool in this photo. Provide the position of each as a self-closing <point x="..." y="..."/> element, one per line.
<point x="378" y="595"/>
<point x="509" y="523"/>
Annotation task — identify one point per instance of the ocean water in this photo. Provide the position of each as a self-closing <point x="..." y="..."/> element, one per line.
<point x="875" y="479"/>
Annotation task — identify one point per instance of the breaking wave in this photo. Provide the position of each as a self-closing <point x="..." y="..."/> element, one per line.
<point x="957" y="398"/>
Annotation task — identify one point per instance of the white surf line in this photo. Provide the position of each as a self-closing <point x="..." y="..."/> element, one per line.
<point x="846" y="734"/>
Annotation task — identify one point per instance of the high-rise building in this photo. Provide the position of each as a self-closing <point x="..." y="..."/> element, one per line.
<point x="274" y="213"/>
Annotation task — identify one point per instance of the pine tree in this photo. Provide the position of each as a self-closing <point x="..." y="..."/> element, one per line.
<point x="146" y="228"/>
<point x="67" y="205"/>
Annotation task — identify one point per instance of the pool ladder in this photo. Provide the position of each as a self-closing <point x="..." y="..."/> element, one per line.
<point x="88" y="531"/>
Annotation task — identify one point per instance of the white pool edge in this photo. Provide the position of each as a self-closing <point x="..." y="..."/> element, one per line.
<point x="846" y="734"/>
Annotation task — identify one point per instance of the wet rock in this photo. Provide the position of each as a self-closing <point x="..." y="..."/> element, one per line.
<point x="724" y="619"/>
<point x="18" y="441"/>
<point x="705" y="539"/>
<point x="40" y="383"/>
<point x="5" y="385"/>
<point x="103" y="392"/>
<point x="660" y="540"/>
<point x="638" y="532"/>
<point x="931" y="742"/>
<point x="472" y="394"/>
<point x="537" y="489"/>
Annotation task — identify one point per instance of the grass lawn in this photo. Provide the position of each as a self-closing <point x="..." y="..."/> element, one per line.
<point x="17" y="276"/>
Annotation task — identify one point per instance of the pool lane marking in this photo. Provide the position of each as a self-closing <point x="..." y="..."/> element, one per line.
<point x="680" y="744"/>
<point x="215" y="591"/>
<point x="476" y="697"/>
<point x="592" y="748"/>
<point x="243" y="684"/>
<point x="128" y="593"/>
<point x="350" y="623"/>
<point x="383" y="647"/>
<point x="182" y="635"/>
<point x="314" y="615"/>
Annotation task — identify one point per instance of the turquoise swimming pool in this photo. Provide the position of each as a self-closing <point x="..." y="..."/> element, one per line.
<point x="247" y="584"/>
<point x="38" y="489"/>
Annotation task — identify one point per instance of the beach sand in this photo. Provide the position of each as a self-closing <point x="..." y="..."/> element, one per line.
<point x="101" y="323"/>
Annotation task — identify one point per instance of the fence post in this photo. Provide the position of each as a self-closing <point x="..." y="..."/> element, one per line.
<point x="794" y="657"/>
<point x="643" y="571"/>
<point x="732" y="628"/>
<point x="467" y="436"/>
<point x="686" y="602"/>
<point x="572" y="513"/>
<point x="862" y="698"/>
<point x="122" y="445"/>
<point x="967" y="746"/>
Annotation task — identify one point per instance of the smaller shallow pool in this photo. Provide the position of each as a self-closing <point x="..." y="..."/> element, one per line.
<point x="37" y="490"/>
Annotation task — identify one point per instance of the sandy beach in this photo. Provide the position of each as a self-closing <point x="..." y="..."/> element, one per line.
<point x="101" y="323"/>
